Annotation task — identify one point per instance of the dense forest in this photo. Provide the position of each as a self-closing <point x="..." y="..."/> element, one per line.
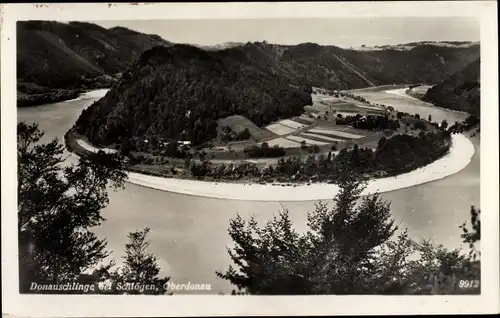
<point x="336" y="68"/>
<point x="179" y="92"/>
<point x="461" y="91"/>
<point x="56" y="59"/>
<point x="369" y="122"/>
<point x="59" y="55"/>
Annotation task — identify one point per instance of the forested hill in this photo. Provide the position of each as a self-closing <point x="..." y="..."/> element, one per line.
<point x="337" y="68"/>
<point x="180" y="91"/>
<point x="461" y="91"/>
<point x="66" y="55"/>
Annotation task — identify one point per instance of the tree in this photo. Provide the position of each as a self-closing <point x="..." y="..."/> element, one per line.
<point x="348" y="249"/>
<point x="420" y="124"/>
<point x="444" y="124"/>
<point x="333" y="257"/>
<point x="381" y="142"/>
<point x="140" y="268"/>
<point x="303" y="144"/>
<point x="472" y="236"/>
<point x="57" y="207"/>
<point x="244" y="134"/>
<point x="440" y="271"/>
<point x="429" y="118"/>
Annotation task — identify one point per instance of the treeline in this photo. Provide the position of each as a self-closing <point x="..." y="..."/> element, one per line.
<point x="470" y="122"/>
<point x="264" y="151"/>
<point x="54" y="96"/>
<point x="368" y="122"/>
<point x="396" y="155"/>
<point x="227" y="134"/>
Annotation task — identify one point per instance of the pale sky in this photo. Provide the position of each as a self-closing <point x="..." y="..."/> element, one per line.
<point x="343" y="32"/>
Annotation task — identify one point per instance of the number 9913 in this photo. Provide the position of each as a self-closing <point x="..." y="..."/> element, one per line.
<point x="468" y="284"/>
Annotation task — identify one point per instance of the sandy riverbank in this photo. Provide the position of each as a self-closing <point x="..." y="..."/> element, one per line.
<point x="458" y="158"/>
<point x="97" y="93"/>
<point x="401" y="92"/>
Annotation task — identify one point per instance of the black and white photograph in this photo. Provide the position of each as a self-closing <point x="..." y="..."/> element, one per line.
<point x="228" y="155"/>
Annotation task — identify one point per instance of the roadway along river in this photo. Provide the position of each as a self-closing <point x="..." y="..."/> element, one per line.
<point x="189" y="234"/>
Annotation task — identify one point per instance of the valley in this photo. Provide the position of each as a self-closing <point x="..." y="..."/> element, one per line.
<point x="207" y="136"/>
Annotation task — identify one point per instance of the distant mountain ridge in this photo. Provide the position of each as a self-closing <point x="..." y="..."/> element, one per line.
<point x="337" y="68"/>
<point x="412" y="45"/>
<point x="461" y="91"/>
<point x="260" y="81"/>
<point x="221" y="46"/>
<point x="58" y="55"/>
<point x="54" y="59"/>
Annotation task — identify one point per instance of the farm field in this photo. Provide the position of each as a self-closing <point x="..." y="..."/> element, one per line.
<point x="317" y="126"/>
<point x="321" y="137"/>
<point x="368" y="107"/>
<point x="280" y="129"/>
<point x="337" y="133"/>
<point x="283" y="142"/>
<point x="299" y="139"/>
<point x="292" y="124"/>
<point x="324" y="103"/>
<point x="288" y="126"/>
<point x="238" y="123"/>
<point x="311" y="109"/>
<point x="304" y="119"/>
<point x="329" y="107"/>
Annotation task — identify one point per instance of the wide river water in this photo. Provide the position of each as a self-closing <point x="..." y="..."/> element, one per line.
<point x="189" y="233"/>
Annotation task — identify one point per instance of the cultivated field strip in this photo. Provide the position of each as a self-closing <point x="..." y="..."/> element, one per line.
<point x="280" y="129"/>
<point x="307" y="140"/>
<point x="305" y="120"/>
<point x="321" y="137"/>
<point x="292" y="124"/>
<point x="321" y="107"/>
<point x="343" y="105"/>
<point x="283" y="142"/>
<point x="335" y="133"/>
<point x="369" y="107"/>
<point x="311" y="109"/>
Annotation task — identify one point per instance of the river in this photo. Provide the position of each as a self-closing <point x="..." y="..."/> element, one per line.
<point x="189" y="234"/>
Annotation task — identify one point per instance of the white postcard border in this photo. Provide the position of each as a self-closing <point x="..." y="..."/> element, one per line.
<point x="196" y="305"/>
